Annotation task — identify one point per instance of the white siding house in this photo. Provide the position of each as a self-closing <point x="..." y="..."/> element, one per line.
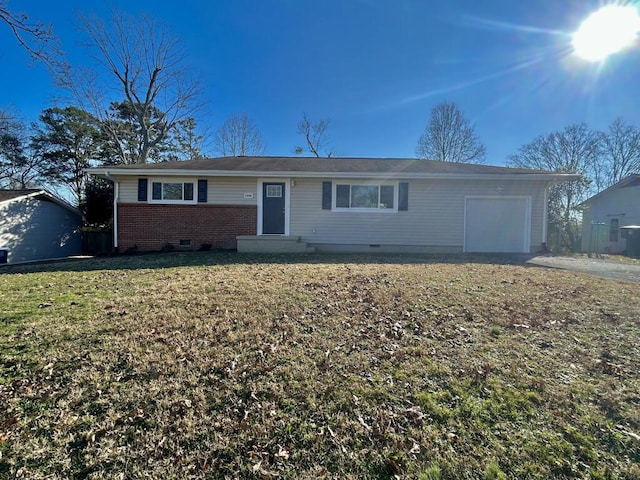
<point x="36" y="225"/>
<point x="607" y="212"/>
<point x="330" y="204"/>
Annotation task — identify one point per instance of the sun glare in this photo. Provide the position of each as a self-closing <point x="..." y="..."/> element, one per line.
<point x="606" y="31"/>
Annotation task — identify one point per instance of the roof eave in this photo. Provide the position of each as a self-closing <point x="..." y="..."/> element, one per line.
<point x="52" y="198"/>
<point x="621" y="184"/>
<point x="109" y="173"/>
<point x="25" y="196"/>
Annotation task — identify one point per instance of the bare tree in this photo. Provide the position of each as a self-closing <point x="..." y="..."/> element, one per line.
<point x="146" y="66"/>
<point x="620" y="154"/>
<point x="35" y="37"/>
<point x="450" y="137"/>
<point x="12" y="149"/>
<point x="19" y="167"/>
<point x="573" y="150"/>
<point x="238" y="137"/>
<point x="315" y="137"/>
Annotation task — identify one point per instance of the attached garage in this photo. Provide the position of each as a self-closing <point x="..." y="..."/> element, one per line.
<point x="497" y="224"/>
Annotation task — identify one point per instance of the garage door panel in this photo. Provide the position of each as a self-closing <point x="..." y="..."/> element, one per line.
<point x="497" y="224"/>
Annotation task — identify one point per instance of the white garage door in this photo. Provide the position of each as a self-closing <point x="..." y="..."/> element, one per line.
<point x="497" y="224"/>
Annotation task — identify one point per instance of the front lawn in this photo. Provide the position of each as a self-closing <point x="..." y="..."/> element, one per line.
<point x="244" y="366"/>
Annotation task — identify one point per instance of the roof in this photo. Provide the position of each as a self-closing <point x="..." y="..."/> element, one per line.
<point x="316" y="167"/>
<point x="630" y="181"/>
<point x="11" y="194"/>
<point x="7" y="196"/>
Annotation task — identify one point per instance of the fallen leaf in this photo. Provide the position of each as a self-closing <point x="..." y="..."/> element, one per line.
<point x="362" y="422"/>
<point x="630" y="434"/>
<point x="393" y="466"/>
<point x="11" y="421"/>
<point x="282" y="453"/>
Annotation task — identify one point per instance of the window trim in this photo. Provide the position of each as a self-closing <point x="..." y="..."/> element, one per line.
<point x="334" y="196"/>
<point x="182" y="181"/>
<point x="614" y="231"/>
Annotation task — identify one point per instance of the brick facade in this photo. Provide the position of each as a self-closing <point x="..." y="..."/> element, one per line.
<point x="154" y="227"/>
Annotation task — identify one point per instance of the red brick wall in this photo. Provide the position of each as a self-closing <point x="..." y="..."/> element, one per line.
<point x="152" y="227"/>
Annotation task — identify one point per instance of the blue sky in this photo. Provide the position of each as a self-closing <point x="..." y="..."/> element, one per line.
<point x="375" y="68"/>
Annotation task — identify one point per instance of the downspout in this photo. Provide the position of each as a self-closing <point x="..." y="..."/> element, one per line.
<point x="545" y="215"/>
<point x="116" y="192"/>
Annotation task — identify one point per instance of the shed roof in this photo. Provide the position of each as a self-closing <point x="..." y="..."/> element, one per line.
<point x="11" y="194"/>
<point x="629" y="181"/>
<point x="7" y="196"/>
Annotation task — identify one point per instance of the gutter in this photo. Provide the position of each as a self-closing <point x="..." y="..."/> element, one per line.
<point x="557" y="177"/>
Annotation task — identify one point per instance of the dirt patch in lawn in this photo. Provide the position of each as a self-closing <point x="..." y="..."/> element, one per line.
<point x="322" y="368"/>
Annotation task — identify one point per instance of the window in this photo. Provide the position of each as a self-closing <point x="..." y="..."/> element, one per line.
<point x="274" y="191"/>
<point x="172" y="191"/>
<point x="613" y="229"/>
<point x="381" y="197"/>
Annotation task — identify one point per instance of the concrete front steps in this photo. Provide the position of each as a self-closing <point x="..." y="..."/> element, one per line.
<point x="272" y="244"/>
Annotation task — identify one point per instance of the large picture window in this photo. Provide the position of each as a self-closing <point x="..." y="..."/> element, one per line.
<point x="379" y="197"/>
<point x="172" y="191"/>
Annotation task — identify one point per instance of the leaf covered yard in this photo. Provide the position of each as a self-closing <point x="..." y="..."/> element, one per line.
<point x="231" y="366"/>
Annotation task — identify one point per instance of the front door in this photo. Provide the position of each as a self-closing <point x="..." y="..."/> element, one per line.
<point x="273" y="207"/>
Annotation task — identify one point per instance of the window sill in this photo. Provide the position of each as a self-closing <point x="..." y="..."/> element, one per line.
<point x="172" y="202"/>
<point x="365" y="210"/>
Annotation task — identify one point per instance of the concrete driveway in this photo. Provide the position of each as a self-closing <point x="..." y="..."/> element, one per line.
<point x="628" y="271"/>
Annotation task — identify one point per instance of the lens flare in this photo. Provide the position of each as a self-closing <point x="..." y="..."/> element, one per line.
<point x="606" y="31"/>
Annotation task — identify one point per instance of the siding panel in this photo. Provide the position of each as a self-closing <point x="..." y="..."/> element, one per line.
<point x="623" y="203"/>
<point x="220" y="191"/>
<point x="36" y="229"/>
<point x="435" y="216"/>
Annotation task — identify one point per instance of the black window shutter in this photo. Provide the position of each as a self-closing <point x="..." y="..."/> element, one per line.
<point x="326" y="195"/>
<point x="202" y="191"/>
<point x="403" y="196"/>
<point x="142" y="189"/>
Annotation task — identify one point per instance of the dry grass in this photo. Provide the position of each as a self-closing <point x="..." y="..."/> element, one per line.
<point x="230" y="366"/>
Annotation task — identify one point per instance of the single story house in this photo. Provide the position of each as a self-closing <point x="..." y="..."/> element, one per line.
<point x="37" y="225"/>
<point x="607" y="216"/>
<point x="329" y="204"/>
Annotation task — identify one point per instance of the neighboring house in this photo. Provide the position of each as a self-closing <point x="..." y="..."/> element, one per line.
<point x="36" y="225"/>
<point x="606" y="213"/>
<point x="329" y="204"/>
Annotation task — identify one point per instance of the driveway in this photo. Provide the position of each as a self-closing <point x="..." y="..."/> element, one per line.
<point x="628" y="271"/>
